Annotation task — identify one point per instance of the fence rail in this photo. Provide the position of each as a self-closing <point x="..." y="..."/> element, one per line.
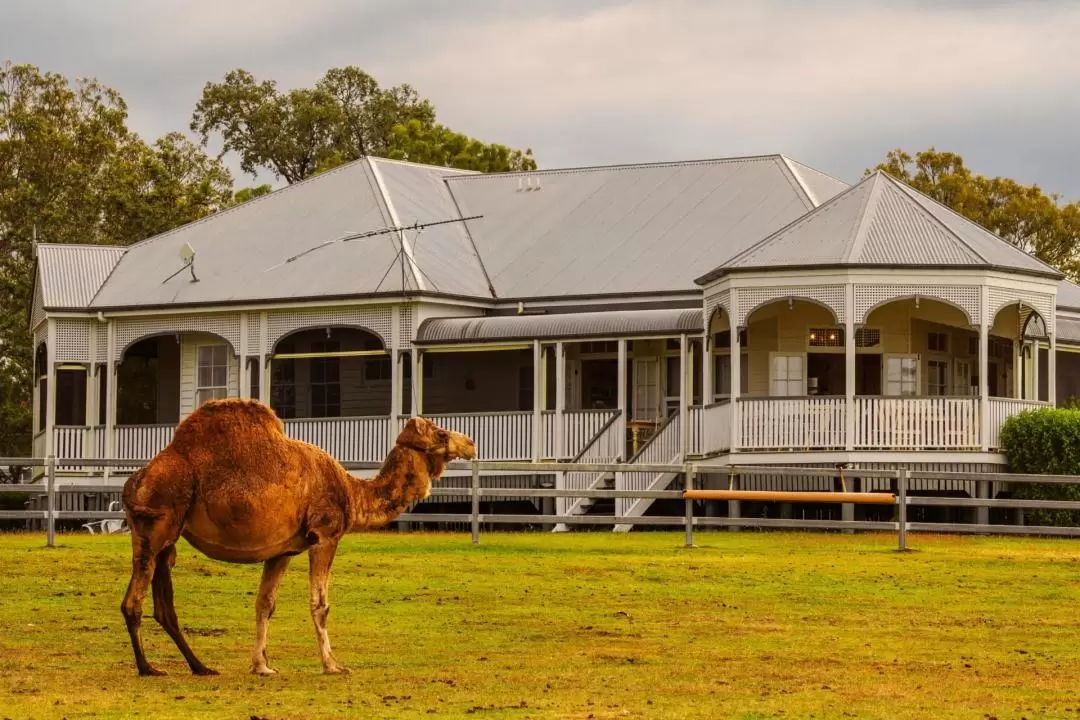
<point x="900" y="479"/>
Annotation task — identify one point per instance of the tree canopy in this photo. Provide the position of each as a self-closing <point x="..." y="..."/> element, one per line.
<point x="346" y="115"/>
<point x="1024" y="215"/>
<point x="71" y="171"/>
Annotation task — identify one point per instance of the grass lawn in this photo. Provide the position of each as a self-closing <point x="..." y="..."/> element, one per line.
<point x="585" y="625"/>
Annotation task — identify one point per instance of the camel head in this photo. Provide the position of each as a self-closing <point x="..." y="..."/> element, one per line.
<point x="425" y="436"/>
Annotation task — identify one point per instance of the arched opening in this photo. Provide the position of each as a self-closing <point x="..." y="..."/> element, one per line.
<point x="720" y="352"/>
<point x="793" y="348"/>
<point x="917" y="347"/>
<point x="330" y="372"/>
<point x="148" y="382"/>
<point x="41" y="382"/>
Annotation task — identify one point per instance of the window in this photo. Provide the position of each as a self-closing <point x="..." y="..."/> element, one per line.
<point x="103" y="393"/>
<point x="901" y="375"/>
<point x="723" y="339"/>
<point x="377" y="369"/>
<point x="254" y="388"/>
<point x="212" y="375"/>
<point x="283" y="388"/>
<point x="937" y="378"/>
<point x="825" y="337"/>
<point x="788" y="376"/>
<point x="937" y="342"/>
<point x="325" y="380"/>
<point x="599" y="348"/>
<point x="41" y="371"/>
<point x="525" y="387"/>
<point x="722" y="376"/>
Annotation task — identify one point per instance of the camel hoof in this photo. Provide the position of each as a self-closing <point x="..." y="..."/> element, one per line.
<point x="151" y="671"/>
<point x="336" y="670"/>
<point x="264" y="671"/>
<point x="204" y="671"/>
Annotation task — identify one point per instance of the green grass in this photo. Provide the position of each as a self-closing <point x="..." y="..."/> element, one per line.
<point x="747" y="625"/>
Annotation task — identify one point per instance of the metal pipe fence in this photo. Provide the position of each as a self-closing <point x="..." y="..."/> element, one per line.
<point x="690" y="520"/>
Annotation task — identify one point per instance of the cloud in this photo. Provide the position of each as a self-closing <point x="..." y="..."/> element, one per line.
<point x="833" y="83"/>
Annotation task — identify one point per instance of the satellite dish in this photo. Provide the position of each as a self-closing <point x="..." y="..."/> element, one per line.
<point x="187" y="253"/>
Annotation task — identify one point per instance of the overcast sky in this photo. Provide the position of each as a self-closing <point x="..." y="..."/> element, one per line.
<point x="831" y="83"/>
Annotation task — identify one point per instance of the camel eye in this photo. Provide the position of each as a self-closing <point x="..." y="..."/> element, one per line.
<point x="442" y="436"/>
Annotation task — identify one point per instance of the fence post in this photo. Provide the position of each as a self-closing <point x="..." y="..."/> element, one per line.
<point x="691" y="472"/>
<point x="901" y="498"/>
<point x="50" y="482"/>
<point x="474" y="490"/>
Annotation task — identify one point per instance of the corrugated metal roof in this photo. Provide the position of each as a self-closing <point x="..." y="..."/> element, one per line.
<point x="71" y="274"/>
<point x="619" y="323"/>
<point x="1068" y="329"/>
<point x="1068" y="294"/>
<point x="444" y="254"/>
<point x="239" y="252"/>
<point x="882" y="222"/>
<point x="819" y="186"/>
<point x="623" y="229"/>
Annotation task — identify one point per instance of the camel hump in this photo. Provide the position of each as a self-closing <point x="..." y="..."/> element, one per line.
<point x="234" y="417"/>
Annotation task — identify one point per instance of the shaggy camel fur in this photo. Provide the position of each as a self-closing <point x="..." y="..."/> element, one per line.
<point x="236" y="488"/>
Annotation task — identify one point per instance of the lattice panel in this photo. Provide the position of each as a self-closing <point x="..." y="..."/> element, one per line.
<point x="102" y="331"/>
<point x="831" y="296"/>
<point x="38" y="313"/>
<point x="72" y="340"/>
<point x="130" y="330"/>
<point x="1003" y="297"/>
<point x="254" y="334"/>
<point x="868" y="297"/>
<point x="378" y="320"/>
<point x="721" y="299"/>
<point x="406" y="327"/>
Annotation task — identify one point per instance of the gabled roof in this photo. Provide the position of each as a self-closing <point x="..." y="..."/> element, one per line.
<point x="884" y="223"/>
<point x="69" y="274"/>
<point x="818" y="186"/>
<point x="624" y="229"/>
<point x="566" y="326"/>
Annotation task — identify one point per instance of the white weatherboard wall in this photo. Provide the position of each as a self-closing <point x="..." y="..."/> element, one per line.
<point x="189" y="343"/>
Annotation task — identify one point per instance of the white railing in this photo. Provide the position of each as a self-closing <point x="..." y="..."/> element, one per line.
<point x="70" y="441"/>
<point x="607" y="447"/>
<point x="664" y="448"/>
<point x="791" y="423"/>
<point x="348" y="439"/>
<point x="141" y="442"/>
<point x="716" y="435"/>
<point x="579" y="428"/>
<point x="39" y="445"/>
<point x="917" y="423"/>
<point x="1000" y="410"/>
<point x="498" y="436"/>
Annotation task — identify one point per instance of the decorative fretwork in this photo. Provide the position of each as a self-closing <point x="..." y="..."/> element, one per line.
<point x="254" y="334"/>
<point x="405" y="327"/>
<point x="720" y="299"/>
<point x="825" y="337"/>
<point x="37" y="316"/>
<point x="867" y="337"/>
<point x="1001" y="298"/>
<point x="829" y="296"/>
<point x="870" y="297"/>
<point x="377" y="320"/>
<point x="129" y="330"/>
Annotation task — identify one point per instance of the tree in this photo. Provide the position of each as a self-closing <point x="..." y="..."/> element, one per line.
<point x="250" y="193"/>
<point x="71" y="171"/>
<point x="438" y="145"/>
<point x="1023" y="215"/>
<point x="302" y="132"/>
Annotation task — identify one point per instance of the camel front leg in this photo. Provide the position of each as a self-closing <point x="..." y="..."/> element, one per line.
<point x="321" y="558"/>
<point x="273" y="571"/>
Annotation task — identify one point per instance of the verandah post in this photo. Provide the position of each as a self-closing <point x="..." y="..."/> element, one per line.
<point x="901" y="515"/>
<point x="474" y="492"/>
<point x="50" y="489"/>
<point x="691" y="475"/>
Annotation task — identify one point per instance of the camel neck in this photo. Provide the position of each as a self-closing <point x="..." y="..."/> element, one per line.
<point x="404" y="478"/>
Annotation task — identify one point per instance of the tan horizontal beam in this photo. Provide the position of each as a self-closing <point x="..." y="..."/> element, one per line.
<point x="337" y="354"/>
<point x="779" y="496"/>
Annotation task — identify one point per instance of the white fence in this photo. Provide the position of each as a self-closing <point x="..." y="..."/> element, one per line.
<point x="355" y="439"/>
<point x="608" y="447"/>
<point x="498" y="436"/>
<point x="579" y="429"/>
<point x="665" y="448"/>
<point x="135" y="442"/>
<point x="792" y="423"/>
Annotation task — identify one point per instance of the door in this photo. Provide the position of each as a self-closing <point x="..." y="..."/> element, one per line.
<point x="646" y="389"/>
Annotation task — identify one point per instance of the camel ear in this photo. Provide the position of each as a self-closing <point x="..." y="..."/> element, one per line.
<point x="417" y="433"/>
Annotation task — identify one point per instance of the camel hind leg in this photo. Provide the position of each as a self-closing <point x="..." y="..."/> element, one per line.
<point x="165" y="610"/>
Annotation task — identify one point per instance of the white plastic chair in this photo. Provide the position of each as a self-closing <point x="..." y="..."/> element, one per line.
<point x="108" y="527"/>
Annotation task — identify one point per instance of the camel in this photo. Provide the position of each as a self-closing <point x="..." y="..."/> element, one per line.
<point x="234" y="486"/>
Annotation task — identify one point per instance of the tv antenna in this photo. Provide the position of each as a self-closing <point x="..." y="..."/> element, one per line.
<point x="187" y="256"/>
<point x="417" y="226"/>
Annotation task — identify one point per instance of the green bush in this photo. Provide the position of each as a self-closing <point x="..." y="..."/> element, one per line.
<point x="1045" y="442"/>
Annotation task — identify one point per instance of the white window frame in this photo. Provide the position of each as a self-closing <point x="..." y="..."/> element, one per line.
<point x="946" y="387"/>
<point x="914" y="357"/>
<point x="773" y="379"/>
<point x="203" y="393"/>
<point x="744" y="372"/>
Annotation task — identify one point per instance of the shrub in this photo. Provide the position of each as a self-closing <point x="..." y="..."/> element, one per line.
<point x="1045" y="442"/>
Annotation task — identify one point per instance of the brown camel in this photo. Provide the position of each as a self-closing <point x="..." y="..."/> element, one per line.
<point x="236" y="488"/>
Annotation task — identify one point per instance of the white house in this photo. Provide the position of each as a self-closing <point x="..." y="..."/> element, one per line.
<point x="741" y="310"/>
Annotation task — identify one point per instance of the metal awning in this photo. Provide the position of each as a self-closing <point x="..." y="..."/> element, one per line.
<point x="1068" y="330"/>
<point x="564" y="326"/>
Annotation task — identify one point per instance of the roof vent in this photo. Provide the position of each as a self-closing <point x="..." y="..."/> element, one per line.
<point x="527" y="185"/>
